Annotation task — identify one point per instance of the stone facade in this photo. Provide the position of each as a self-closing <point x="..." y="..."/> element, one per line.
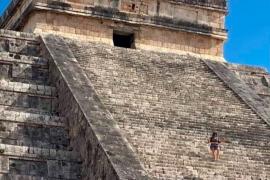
<point x="170" y="26"/>
<point x="102" y="31"/>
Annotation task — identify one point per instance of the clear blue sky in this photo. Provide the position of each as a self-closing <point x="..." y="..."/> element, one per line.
<point x="3" y="5"/>
<point x="248" y="23"/>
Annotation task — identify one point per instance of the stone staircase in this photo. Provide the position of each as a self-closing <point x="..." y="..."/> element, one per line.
<point x="34" y="142"/>
<point x="168" y="105"/>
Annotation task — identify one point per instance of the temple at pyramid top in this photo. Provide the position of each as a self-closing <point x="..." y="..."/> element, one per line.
<point x="193" y="26"/>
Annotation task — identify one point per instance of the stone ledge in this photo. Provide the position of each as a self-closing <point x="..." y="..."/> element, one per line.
<point x="35" y="153"/>
<point x="41" y="90"/>
<point x="19" y="58"/>
<point x="18" y="35"/>
<point x="214" y="5"/>
<point x="255" y="102"/>
<point x="96" y="119"/>
<point x="11" y="115"/>
<point x="25" y="100"/>
<point x="8" y="176"/>
<point x="27" y="110"/>
<point x="247" y="68"/>
<point x="115" y="14"/>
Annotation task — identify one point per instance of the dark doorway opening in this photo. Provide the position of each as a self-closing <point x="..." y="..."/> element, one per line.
<point x="133" y="7"/>
<point x="123" y="39"/>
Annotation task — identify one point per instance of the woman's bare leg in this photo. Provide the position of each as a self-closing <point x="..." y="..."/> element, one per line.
<point x="213" y="153"/>
<point x="218" y="154"/>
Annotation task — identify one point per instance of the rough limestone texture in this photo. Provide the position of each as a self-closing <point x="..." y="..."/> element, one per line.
<point x="247" y="94"/>
<point x="167" y="106"/>
<point x="256" y="78"/>
<point x="94" y="134"/>
<point x="76" y="110"/>
<point x="34" y="141"/>
<point x="171" y="26"/>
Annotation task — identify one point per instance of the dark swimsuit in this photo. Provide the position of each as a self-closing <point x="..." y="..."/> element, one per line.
<point x="214" y="143"/>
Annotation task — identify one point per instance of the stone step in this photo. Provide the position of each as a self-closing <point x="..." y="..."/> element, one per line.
<point x="24" y="100"/>
<point x="229" y="162"/>
<point x="228" y="147"/>
<point x="205" y="159"/>
<point x="36" y="153"/>
<point x="4" y="33"/>
<point x="189" y="116"/>
<point x="233" y="127"/>
<point x="21" y="167"/>
<point x="207" y="124"/>
<point x="32" y="161"/>
<point x="20" y="46"/>
<point x="8" y="176"/>
<point x="234" y="173"/>
<point x="23" y="72"/>
<point x="33" y="135"/>
<point x="212" y="168"/>
<point x="28" y="110"/>
<point x="233" y="136"/>
<point x="14" y="58"/>
<point x="42" y="90"/>
<point x="21" y="117"/>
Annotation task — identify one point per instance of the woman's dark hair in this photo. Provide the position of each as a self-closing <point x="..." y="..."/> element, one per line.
<point x="214" y="134"/>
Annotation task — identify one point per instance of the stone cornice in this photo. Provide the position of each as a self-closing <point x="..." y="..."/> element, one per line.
<point x="156" y="21"/>
<point x="220" y="5"/>
<point x="106" y="13"/>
